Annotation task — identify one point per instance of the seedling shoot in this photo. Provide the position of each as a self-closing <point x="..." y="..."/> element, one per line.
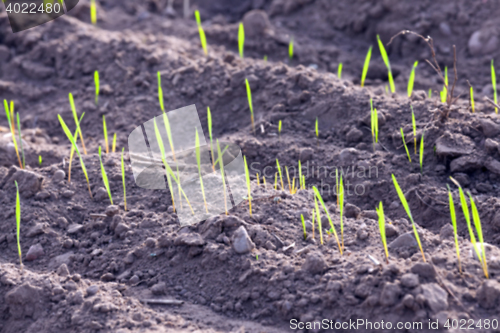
<point x="366" y="65"/>
<point x="241" y="39"/>
<point x="385" y="57"/>
<point x="203" y="38"/>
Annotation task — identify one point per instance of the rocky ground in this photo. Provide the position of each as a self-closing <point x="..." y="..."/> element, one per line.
<point x="93" y="267"/>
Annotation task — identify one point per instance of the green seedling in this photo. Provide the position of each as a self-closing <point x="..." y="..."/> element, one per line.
<point x="381" y="227"/>
<point x="318" y="196"/>
<point x="339" y="71"/>
<point x="303" y="226"/>
<point x="93" y="12"/>
<point x="160" y="92"/>
<point x="411" y="80"/>
<point x="12" y="129"/>
<point x="366" y="65"/>
<point x="250" y="104"/>
<point x="20" y="140"/>
<point x="105" y="177"/>
<point x="316" y="129"/>
<point x="279" y="129"/>
<point x="444" y="92"/>
<point x="123" y="181"/>
<point x="113" y="145"/>
<point x="290" y="48"/>
<point x="75" y="147"/>
<point x="265" y="58"/>
<point x="40" y="160"/>
<point x="479" y="230"/>
<point x="18" y="224"/>
<point x="494" y="85"/>
<point x="209" y="120"/>
<point x="97" y="86"/>
<point x="337" y="185"/>
<point x="258" y="180"/>
<point x="221" y="164"/>
<point x="300" y="176"/>
<point x="471" y="96"/>
<point x="453" y="217"/>
<point x="247" y="177"/>
<point x="374" y="124"/>
<point x="241" y="39"/>
<point x="404" y="144"/>
<point x="198" y="160"/>
<point x="430" y="93"/>
<point x="341" y="208"/>
<point x="203" y="38"/>
<point x="72" y="153"/>
<point x="288" y="178"/>
<point x="281" y="176"/>
<point x="75" y="117"/>
<point x="421" y="155"/>
<point x="168" y="170"/>
<point x="257" y="257"/>
<point x="402" y="198"/>
<point x="320" y="228"/>
<point x="414" y="126"/>
<point x="383" y="53"/>
<point x="105" y="131"/>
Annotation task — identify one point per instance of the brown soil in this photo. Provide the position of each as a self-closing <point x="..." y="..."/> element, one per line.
<point x="96" y="272"/>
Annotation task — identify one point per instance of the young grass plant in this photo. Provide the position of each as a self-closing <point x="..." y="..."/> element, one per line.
<point x="320" y="227"/>
<point x="97" y="86"/>
<point x="203" y="38"/>
<point x="471" y="97"/>
<point x="366" y="65"/>
<point x="402" y="198"/>
<point x="411" y="80"/>
<point x="279" y="130"/>
<point x="381" y="227"/>
<point x="281" y="176"/>
<point x="75" y="117"/>
<point x="247" y="178"/>
<point x="123" y="181"/>
<point x="341" y="209"/>
<point x="320" y="199"/>
<point x="453" y="217"/>
<point x="160" y="92"/>
<point x="404" y="144"/>
<point x="383" y="53"/>
<point x="18" y="224"/>
<point x="444" y="92"/>
<point x="241" y="39"/>
<point x="300" y="176"/>
<point x="198" y="161"/>
<point x="93" y="12"/>
<point x="290" y="48"/>
<point x="209" y="120"/>
<point x="12" y="129"/>
<point x="20" y="140"/>
<point x="113" y="145"/>
<point x="374" y="124"/>
<point x="303" y="226"/>
<point x="479" y="230"/>
<point x="105" y="177"/>
<point x="250" y="104"/>
<point x="421" y="154"/>
<point x="73" y="142"/>
<point x="105" y="132"/>
<point x="414" y="126"/>
<point x="316" y="129"/>
<point x="40" y="160"/>
<point x="430" y="93"/>
<point x="72" y="153"/>
<point x="494" y="85"/>
<point x="339" y="71"/>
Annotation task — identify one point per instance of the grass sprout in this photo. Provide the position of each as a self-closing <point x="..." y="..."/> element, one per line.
<point x="366" y="65"/>
<point x="241" y="39"/>
<point x="247" y="177"/>
<point x="123" y="181"/>
<point x="339" y="71"/>
<point x="383" y="53"/>
<point x="77" y="123"/>
<point x="320" y="199"/>
<point x="402" y="198"/>
<point x="494" y="85"/>
<point x="105" y="177"/>
<point x="421" y="155"/>
<point x="97" y="86"/>
<point x="303" y="226"/>
<point x="374" y="124"/>
<point x="279" y="130"/>
<point x="290" y="48"/>
<point x="341" y="196"/>
<point x="300" y="176"/>
<point x="288" y="178"/>
<point x="203" y="38"/>
<point x="105" y="132"/>
<point x="12" y="129"/>
<point x="414" y="126"/>
<point x="411" y="80"/>
<point x="40" y="160"/>
<point x="430" y="93"/>
<point x="444" y="92"/>
<point x="160" y="92"/>
<point x="209" y="120"/>
<point x="113" y="145"/>
<point x="471" y="96"/>
<point x="93" y="12"/>
<point x="381" y="227"/>
<point x="18" y="225"/>
<point x="72" y="153"/>
<point x="20" y="140"/>
<point x="479" y="230"/>
<point x="453" y="217"/>
<point x="281" y="176"/>
<point x="198" y="161"/>
<point x="75" y="147"/>
<point x="250" y="104"/>
<point x="404" y="144"/>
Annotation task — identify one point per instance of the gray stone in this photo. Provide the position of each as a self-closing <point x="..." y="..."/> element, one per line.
<point x="29" y="182"/>
<point x="61" y="259"/>
<point x="410" y="280"/>
<point x="315" y="263"/>
<point x="424" y="270"/>
<point x="436" y="297"/>
<point x="404" y="241"/>
<point x="242" y="243"/>
<point x="134" y="279"/>
<point x="189" y="239"/>
<point x="58" y="177"/>
<point x="454" y="145"/>
<point x="150" y="242"/>
<point x="483" y="41"/>
<point x="348" y="156"/>
<point x="446" y="231"/>
<point x="491" y="145"/>
<point x="354" y="135"/>
<point x="306" y="154"/>
<point x="101" y="194"/>
<point x="36" y="230"/>
<point x="107" y="277"/>
<point x="488" y="294"/>
<point x="121" y="229"/>
<point x="256" y="22"/>
<point x="492" y="165"/>
<point x="390" y="294"/>
<point x="391" y="230"/>
<point x="159" y="288"/>
<point x="112" y="210"/>
<point x="24" y="301"/>
<point x="489" y="127"/>
<point x="63" y="270"/>
<point x="351" y="211"/>
<point x="35" y="252"/>
<point x="466" y="163"/>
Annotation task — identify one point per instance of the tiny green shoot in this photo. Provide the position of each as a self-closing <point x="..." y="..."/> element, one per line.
<point x="290" y="48"/>
<point x="383" y="53"/>
<point x="123" y="181"/>
<point x="209" y="120"/>
<point x="320" y="228"/>
<point x="479" y="230"/>
<point x="265" y="58"/>
<point x="18" y="224"/>
<point x="250" y="104"/>
<point x="241" y="39"/>
<point x="75" y="117"/>
<point x="247" y="178"/>
<point x="471" y="96"/>
<point x="494" y="85"/>
<point x="160" y="92"/>
<point x="105" y="132"/>
<point x="366" y="65"/>
<point x="414" y="126"/>
<point x="20" y="140"/>
<point x="105" y="177"/>
<point x="97" y="86"/>
<point x="288" y="178"/>
<point x="421" y="155"/>
<point x="72" y="153"/>
<point x="430" y="93"/>
<point x="281" y="176"/>
<point x="453" y="217"/>
<point x="279" y="129"/>
<point x="113" y="145"/>
<point x="404" y="144"/>
<point x="40" y="160"/>
<point x="203" y="38"/>
<point x="318" y="196"/>
<point x="444" y="92"/>
<point x="402" y="198"/>
<point x="381" y="227"/>
<point x="411" y="80"/>
<point x="93" y="12"/>
<point x="339" y="71"/>
<point x="341" y="196"/>
<point x="12" y="129"/>
<point x="303" y="226"/>
<point x="300" y="176"/>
